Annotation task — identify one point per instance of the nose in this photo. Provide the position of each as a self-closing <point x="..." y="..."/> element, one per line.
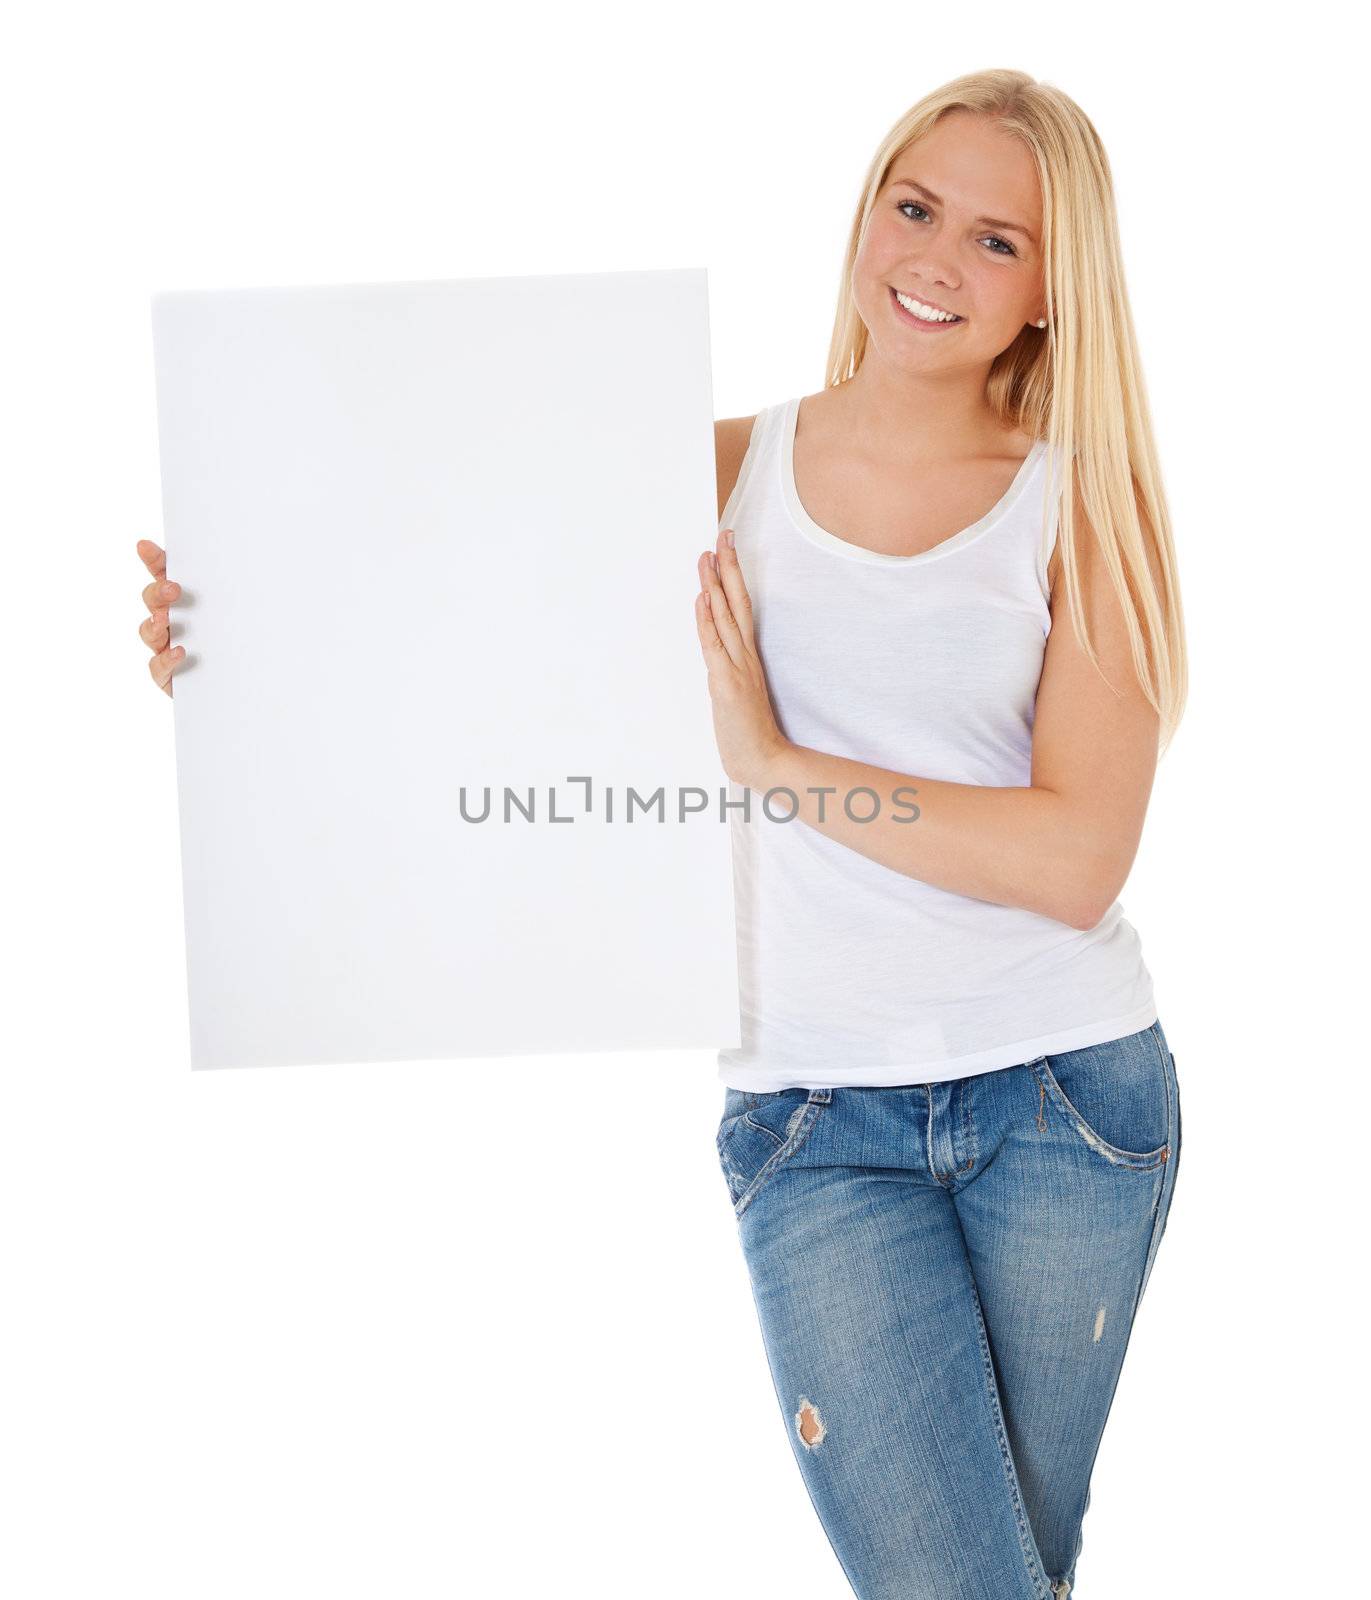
<point x="933" y="273"/>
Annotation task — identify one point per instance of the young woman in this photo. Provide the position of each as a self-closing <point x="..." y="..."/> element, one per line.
<point x="944" y="646"/>
<point x="952" y="1129"/>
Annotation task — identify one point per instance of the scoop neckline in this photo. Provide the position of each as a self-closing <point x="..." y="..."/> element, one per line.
<point x="811" y="530"/>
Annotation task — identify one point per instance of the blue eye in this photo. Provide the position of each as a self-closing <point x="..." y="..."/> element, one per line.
<point x="1008" y="248"/>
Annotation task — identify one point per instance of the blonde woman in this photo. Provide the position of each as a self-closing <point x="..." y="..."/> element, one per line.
<point x="944" y="646"/>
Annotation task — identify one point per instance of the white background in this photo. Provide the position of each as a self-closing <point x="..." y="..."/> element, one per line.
<point x="433" y="1329"/>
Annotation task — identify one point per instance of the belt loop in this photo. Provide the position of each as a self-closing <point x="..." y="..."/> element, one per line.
<point x="820" y="1097"/>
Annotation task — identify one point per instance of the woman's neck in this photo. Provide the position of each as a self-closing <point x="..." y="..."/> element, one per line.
<point x="900" y="416"/>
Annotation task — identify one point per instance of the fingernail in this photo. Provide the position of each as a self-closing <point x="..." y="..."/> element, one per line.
<point x="729" y="537"/>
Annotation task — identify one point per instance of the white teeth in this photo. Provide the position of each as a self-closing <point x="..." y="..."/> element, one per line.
<point x="924" y="313"/>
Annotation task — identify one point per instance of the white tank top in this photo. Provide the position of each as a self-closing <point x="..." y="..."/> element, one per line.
<point x="851" y="972"/>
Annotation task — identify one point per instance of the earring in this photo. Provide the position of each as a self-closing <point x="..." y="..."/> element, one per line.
<point x="1041" y="323"/>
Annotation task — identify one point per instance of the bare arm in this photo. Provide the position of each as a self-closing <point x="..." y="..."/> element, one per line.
<point x="731" y="437"/>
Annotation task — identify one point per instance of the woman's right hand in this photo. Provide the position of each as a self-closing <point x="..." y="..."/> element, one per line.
<point x="155" y="630"/>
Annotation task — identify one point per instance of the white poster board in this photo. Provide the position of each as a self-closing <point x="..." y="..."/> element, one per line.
<point x="436" y="538"/>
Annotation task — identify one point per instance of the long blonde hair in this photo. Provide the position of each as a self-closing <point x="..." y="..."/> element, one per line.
<point x="1080" y="385"/>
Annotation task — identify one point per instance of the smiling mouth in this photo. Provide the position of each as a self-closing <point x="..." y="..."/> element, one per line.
<point x="942" y="319"/>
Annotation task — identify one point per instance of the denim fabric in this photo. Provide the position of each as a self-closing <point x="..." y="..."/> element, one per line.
<point x="946" y="1277"/>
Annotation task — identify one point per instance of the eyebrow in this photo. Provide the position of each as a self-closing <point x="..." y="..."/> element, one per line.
<point x="992" y="222"/>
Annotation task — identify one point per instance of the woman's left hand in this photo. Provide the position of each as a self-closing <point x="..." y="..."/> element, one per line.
<point x="745" y="726"/>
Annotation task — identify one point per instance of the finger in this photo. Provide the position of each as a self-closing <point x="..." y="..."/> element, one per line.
<point x="164" y="664"/>
<point x="723" y="617"/>
<point x="155" y="631"/>
<point x="710" y="642"/>
<point x="731" y="576"/>
<point x="154" y="557"/>
<point x="157" y="595"/>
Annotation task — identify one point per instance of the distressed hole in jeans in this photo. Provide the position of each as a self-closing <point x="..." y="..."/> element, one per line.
<point x="809" y="1424"/>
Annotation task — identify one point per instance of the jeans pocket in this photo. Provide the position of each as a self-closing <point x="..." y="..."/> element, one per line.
<point x="760" y="1133"/>
<point x="1114" y="1096"/>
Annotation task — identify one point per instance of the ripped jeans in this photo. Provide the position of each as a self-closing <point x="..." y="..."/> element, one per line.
<point x="946" y="1277"/>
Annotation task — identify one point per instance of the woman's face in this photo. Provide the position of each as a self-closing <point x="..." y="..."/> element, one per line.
<point x="928" y="238"/>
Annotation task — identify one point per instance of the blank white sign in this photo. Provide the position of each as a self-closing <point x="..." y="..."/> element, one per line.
<point x="439" y="538"/>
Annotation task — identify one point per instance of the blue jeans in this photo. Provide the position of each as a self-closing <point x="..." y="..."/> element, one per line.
<point x="946" y="1277"/>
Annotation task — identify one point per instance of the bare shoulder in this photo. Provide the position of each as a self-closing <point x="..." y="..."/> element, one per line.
<point x="731" y="438"/>
<point x="1096" y="585"/>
